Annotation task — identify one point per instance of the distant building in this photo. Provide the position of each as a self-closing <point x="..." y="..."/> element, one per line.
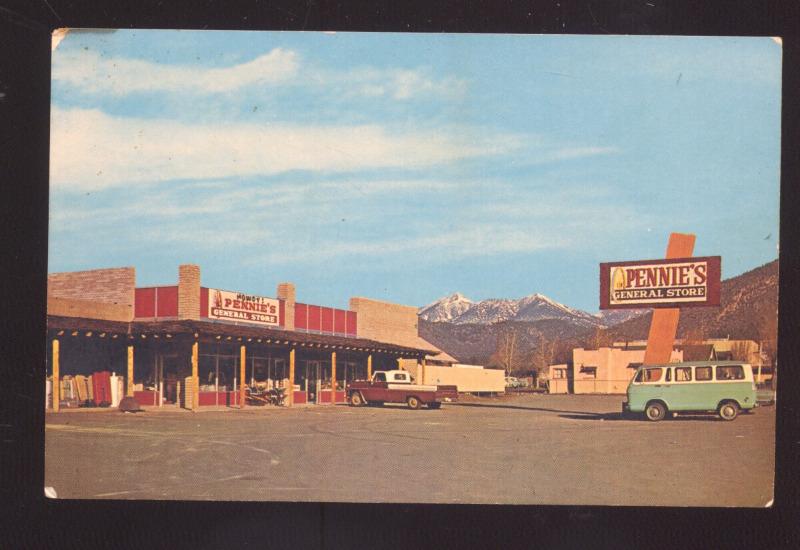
<point x="558" y="378"/>
<point x="609" y="369"/>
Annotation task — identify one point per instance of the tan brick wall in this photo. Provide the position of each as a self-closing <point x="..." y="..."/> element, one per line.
<point x="97" y="293"/>
<point x="188" y="291"/>
<point x="70" y="307"/>
<point x="388" y="322"/>
<point x="287" y="293"/>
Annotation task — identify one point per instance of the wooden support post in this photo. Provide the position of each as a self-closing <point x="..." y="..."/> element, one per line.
<point x="56" y="377"/>
<point x="369" y="366"/>
<point x="242" y="374"/>
<point x="333" y="378"/>
<point x="422" y="371"/>
<point x="129" y="393"/>
<point x="290" y="389"/>
<point x="664" y="324"/>
<point x="195" y="377"/>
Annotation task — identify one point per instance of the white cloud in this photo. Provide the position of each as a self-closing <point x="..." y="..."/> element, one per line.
<point x="92" y="73"/>
<point x="398" y="84"/>
<point x="92" y="150"/>
<point x="461" y="242"/>
<point x="119" y="76"/>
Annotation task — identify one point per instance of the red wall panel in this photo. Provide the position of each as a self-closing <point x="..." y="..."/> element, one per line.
<point x="300" y="316"/>
<point x="144" y="302"/>
<point x="352" y="326"/>
<point x="339" y="321"/>
<point x="167" y="301"/>
<point x="203" y="302"/>
<point x="314" y="318"/>
<point x="327" y="319"/>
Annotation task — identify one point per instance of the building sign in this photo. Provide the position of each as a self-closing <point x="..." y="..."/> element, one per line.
<point x="236" y="306"/>
<point x="678" y="282"/>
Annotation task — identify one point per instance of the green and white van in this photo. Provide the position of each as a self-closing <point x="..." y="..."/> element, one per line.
<point x="725" y="387"/>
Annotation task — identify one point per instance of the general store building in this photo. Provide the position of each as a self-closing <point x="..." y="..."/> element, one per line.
<point x="192" y="346"/>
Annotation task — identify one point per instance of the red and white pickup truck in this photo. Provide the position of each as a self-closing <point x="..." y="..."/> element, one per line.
<point x="395" y="386"/>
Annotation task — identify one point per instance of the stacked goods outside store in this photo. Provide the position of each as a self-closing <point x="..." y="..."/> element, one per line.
<point x="68" y="393"/>
<point x="187" y="398"/>
<point x="102" y="388"/>
<point x="80" y="386"/>
<point x="117" y="391"/>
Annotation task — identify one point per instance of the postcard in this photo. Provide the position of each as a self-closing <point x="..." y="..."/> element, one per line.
<point x="413" y="268"/>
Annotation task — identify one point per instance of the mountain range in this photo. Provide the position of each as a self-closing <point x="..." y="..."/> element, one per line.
<point x="460" y="310"/>
<point x="472" y="331"/>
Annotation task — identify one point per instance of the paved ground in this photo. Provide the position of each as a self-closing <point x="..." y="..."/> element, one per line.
<point x="527" y="449"/>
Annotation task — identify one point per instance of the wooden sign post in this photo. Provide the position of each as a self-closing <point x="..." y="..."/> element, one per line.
<point x="664" y="324"/>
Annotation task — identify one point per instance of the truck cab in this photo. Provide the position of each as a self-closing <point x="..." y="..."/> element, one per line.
<point x="392" y="376"/>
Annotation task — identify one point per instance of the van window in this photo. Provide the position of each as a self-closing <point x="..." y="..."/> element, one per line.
<point x="735" y="372"/>
<point x="669" y="375"/>
<point x="639" y="376"/>
<point x="380" y="377"/>
<point x="683" y="374"/>
<point x="652" y="375"/>
<point x="702" y="373"/>
<point x="400" y="376"/>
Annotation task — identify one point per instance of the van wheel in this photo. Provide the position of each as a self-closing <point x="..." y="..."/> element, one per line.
<point x="655" y="411"/>
<point x="728" y="410"/>
<point x="413" y="402"/>
<point x="356" y="399"/>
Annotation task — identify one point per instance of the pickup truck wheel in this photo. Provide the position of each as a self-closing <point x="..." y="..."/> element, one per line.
<point x="413" y="402"/>
<point x="356" y="399"/>
<point x="434" y="405"/>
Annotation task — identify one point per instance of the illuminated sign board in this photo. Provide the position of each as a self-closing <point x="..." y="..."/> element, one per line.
<point x="236" y="306"/>
<point x="681" y="282"/>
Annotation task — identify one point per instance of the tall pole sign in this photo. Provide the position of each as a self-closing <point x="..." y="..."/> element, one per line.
<point x="666" y="285"/>
<point x="664" y="324"/>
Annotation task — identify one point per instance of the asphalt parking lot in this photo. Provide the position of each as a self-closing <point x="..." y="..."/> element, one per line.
<point x="520" y="449"/>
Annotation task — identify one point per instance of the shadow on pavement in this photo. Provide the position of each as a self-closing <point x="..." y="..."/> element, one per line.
<point x="499" y="406"/>
<point x="620" y="416"/>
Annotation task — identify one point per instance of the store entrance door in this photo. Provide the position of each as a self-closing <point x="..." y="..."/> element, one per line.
<point x="168" y="378"/>
<point x="313" y="375"/>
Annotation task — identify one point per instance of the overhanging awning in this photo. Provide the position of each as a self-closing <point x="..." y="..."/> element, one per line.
<point x="209" y="329"/>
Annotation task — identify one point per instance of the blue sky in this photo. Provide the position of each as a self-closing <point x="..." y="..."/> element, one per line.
<point x="406" y="167"/>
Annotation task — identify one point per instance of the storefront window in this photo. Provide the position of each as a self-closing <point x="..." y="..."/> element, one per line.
<point x="352" y="371"/>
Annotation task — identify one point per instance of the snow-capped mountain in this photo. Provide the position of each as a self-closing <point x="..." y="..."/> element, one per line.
<point x="611" y="317"/>
<point x="487" y="312"/>
<point x="447" y="308"/>
<point x="460" y="310"/>
<point x="536" y="307"/>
